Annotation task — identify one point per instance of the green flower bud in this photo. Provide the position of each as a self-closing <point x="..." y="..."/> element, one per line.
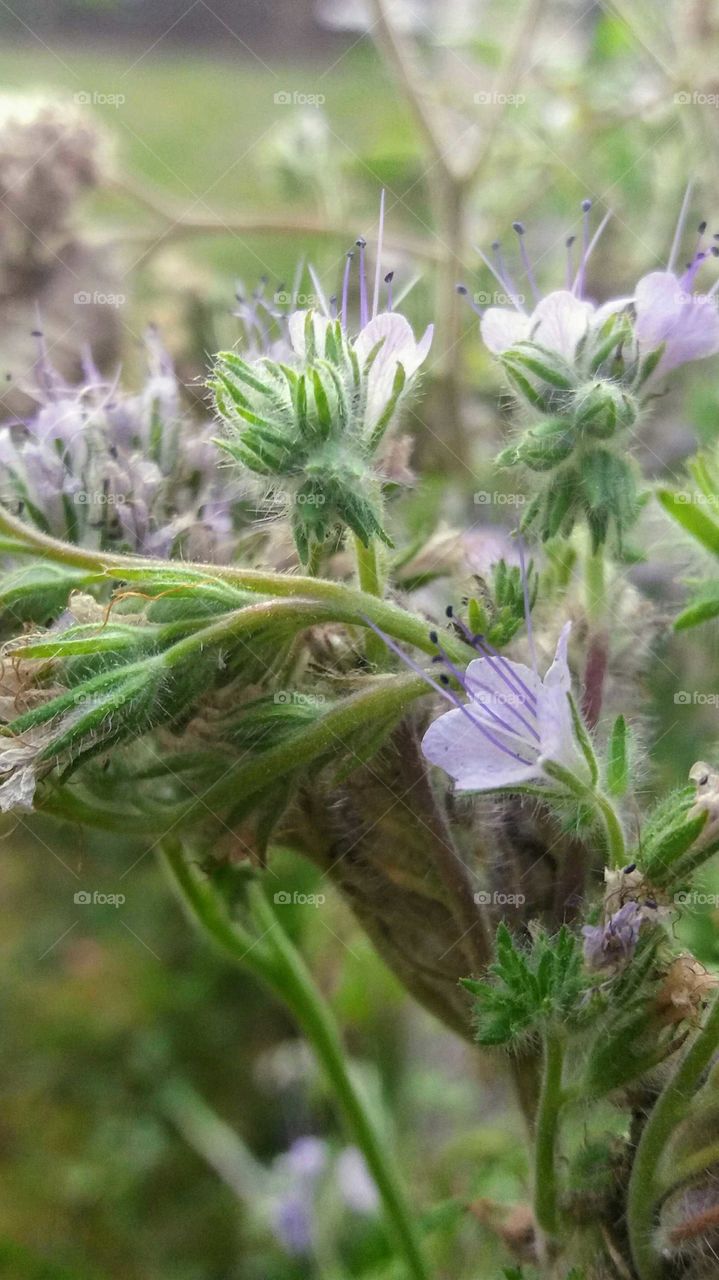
<point x="546" y="445"/>
<point x="604" y="407"/>
<point x="312" y="428"/>
<point x="542" y="378"/>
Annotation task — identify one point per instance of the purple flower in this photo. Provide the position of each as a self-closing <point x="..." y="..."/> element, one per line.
<point x="383" y="342"/>
<point x="613" y="943"/>
<point x="513" y="722"/>
<point x="666" y="310"/>
<point x="558" y="321"/>
<point x="103" y="468"/>
<point x="669" y="313"/>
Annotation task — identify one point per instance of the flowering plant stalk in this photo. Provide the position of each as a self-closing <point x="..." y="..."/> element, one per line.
<point x="185" y="664"/>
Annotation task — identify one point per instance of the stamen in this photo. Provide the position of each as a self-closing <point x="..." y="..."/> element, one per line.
<point x="679" y="232"/>
<point x="503" y="280"/>
<point x="570" y="264"/>
<point x="470" y="682"/>
<point x="519" y="228"/>
<point x="497" y="661"/>
<point x="578" y="286"/>
<point x="378" y="266"/>
<point x="333" y="306"/>
<point x="364" y="313"/>
<point x="447" y="694"/>
<point x="346" y="287"/>
<point x="527" y="610"/>
<point x="463" y="291"/>
<point x="388" y="281"/>
<point x="318" y="289"/>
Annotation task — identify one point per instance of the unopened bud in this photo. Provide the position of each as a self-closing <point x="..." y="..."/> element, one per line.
<point x="604" y="407"/>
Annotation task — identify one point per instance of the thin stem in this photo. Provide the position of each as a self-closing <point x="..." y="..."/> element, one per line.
<point x="668" y="1110"/>
<point x="601" y="804"/>
<point x="274" y="959"/>
<point x="320" y="1027"/>
<point x="613" y="829"/>
<point x="368" y="567"/>
<point x="370" y="581"/>
<point x="547" y="1126"/>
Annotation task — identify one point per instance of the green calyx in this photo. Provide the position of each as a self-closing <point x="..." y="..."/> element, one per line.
<point x="584" y="409"/>
<point x="307" y="430"/>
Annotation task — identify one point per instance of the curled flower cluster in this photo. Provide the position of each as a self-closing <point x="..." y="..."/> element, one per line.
<point x="313" y="424"/>
<point x="106" y="469"/>
<point x="585" y="371"/>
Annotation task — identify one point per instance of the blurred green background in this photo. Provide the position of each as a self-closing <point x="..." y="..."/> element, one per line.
<point x="127" y="1046"/>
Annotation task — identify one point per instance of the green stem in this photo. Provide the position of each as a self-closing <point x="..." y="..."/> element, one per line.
<point x="356" y="606"/>
<point x="368" y="567"/>
<point x="613" y="829"/>
<point x="595" y="584"/>
<point x="370" y="581"/>
<point x="274" y="959"/>
<point x="602" y="805"/>
<point x="668" y="1110"/>
<point x="547" y="1126"/>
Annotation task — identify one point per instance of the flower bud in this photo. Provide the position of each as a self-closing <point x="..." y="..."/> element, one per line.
<point x="542" y="378"/>
<point x="542" y="447"/>
<point x="602" y="408"/>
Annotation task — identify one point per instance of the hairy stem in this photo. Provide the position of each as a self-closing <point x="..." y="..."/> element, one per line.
<point x="668" y="1110"/>
<point x="359" y="606"/>
<point x="274" y="959"/>
<point x="370" y="581"/>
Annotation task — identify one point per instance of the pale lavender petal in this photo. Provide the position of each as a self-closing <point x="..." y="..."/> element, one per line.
<point x="398" y="347"/>
<point x="501" y="328"/>
<point x="688" y="324"/>
<point x="559" y="322"/>
<point x="464" y="752"/>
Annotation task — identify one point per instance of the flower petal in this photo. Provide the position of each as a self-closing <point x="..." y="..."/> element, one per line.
<point x="399" y="346"/>
<point x="501" y="328"/>
<point x="454" y="744"/>
<point x="666" y="313"/>
<point x="559" y="322"/>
